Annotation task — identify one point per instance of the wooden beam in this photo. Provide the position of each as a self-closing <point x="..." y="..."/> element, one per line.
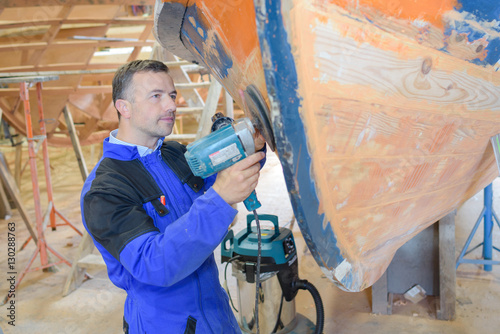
<point x="143" y="37"/>
<point x="76" y="143"/>
<point x="89" y="89"/>
<point x="11" y="187"/>
<point x="75" y="44"/>
<point x="43" y="3"/>
<point x="90" y="21"/>
<point x="61" y="67"/>
<point x="49" y="36"/>
<point x="447" y="270"/>
<point x="61" y="90"/>
<point x="193" y="85"/>
<point x="45" y="73"/>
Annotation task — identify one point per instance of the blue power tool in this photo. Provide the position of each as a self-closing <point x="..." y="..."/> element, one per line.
<point x="229" y="142"/>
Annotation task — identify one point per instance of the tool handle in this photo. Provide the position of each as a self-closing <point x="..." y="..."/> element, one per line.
<point x="252" y="203"/>
<point x="272" y="218"/>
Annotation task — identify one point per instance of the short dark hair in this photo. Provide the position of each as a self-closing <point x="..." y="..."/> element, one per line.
<point x="123" y="76"/>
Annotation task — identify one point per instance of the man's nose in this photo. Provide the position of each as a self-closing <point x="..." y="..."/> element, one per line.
<point x="170" y="104"/>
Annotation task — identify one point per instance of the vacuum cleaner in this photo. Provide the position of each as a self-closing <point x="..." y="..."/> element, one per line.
<point x="279" y="280"/>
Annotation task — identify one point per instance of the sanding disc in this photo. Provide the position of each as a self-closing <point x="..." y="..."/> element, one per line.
<point x="260" y="114"/>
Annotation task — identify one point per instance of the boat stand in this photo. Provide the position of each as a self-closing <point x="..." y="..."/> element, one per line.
<point x="42" y="247"/>
<point x="487" y="215"/>
<point x="426" y="260"/>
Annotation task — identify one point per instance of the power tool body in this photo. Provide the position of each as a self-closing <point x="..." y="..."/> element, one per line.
<point x="229" y="142"/>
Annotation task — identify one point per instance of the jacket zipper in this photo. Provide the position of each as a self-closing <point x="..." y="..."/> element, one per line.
<point x="200" y="303"/>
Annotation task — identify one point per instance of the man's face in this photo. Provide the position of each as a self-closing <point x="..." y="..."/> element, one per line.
<point x="153" y="105"/>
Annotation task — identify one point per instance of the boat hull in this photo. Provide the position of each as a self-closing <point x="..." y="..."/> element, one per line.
<point x="381" y="131"/>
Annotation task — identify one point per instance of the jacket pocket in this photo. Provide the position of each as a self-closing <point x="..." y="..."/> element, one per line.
<point x="190" y="326"/>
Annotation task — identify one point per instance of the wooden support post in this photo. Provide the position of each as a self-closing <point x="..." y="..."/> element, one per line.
<point x="12" y="190"/>
<point x="401" y="269"/>
<point x="447" y="272"/>
<point x="18" y="165"/>
<point x="76" y="143"/>
<point x="77" y="273"/>
<point x="5" y="209"/>
<point x="380" y="296"/>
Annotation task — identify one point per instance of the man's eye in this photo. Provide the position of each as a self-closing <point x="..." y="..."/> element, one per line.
<point x="156" y="96"/>
<point x="173" y="97"/>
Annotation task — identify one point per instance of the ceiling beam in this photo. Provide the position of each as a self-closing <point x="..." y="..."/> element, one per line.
<point x="124" y="21"/>
<point x="91" y="89"/>
<point x="49" y="36"/>
<point x="65" y="67"/>
<point x="74" y="44"/>
<point x="61" y="90"/>
<point x="44" y="3"/>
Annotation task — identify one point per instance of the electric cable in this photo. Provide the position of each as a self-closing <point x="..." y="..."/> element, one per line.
<point x="278" y="319"/>
<point x="257" y="271"/>
<point x="225" y="281"/>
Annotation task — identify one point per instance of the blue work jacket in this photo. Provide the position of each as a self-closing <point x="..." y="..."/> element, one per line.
<point x="160" y="254"/>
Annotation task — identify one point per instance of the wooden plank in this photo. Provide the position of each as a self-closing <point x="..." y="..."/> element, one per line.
<point x="49" y="36"/>
<point x="17" y="164"/>
<point x="28" y="79"/>
<point x="74" y="44"/>
<point x="182" y="137"/>
<point x="42" y="3"/>
<point x="90" y="21"/>
<point x="58" y="73"/>
<point x="62" y="90"/>
<point x="92" y="261"/>
<point x="447" y="272"/>
<point x="188" y="110"/>
<point x="143" y="37"/>
<point x="77" y="274"/>
<point x="87" y="89"/>
<point x="5" y="209"/>
<point x="11" y="187"/>
<point x="71" y="67"/>
<point x="193" y="85"/>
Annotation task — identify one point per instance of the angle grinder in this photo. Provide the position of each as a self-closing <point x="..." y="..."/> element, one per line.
<point x="229" y="142"/>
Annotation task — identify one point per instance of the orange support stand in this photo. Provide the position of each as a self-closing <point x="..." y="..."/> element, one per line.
<point x="45" y="150"/>
<point x="42" y="247"/>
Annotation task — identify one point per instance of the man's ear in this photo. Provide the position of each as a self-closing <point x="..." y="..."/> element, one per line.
<point x="123" y="107"/>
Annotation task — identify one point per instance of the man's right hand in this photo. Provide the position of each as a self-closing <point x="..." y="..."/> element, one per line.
<point x="236" y="183"/>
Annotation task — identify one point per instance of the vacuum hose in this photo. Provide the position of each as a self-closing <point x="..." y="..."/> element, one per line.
<point x="320" y="314"/>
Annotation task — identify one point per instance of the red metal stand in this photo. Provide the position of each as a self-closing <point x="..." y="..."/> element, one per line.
<point x="41" y="246"/>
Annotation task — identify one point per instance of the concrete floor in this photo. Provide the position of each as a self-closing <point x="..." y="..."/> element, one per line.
<point x="97" y="306"/>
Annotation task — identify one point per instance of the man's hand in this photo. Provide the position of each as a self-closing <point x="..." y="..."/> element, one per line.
<point x="236" y="183"/>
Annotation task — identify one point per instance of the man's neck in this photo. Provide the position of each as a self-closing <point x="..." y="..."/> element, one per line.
<point x="128" y="137"/>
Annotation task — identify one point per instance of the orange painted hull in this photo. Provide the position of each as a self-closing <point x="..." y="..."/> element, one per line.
<point x="382" y="117"/>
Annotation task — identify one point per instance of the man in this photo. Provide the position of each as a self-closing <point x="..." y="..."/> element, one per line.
<point x="155" y="224"/>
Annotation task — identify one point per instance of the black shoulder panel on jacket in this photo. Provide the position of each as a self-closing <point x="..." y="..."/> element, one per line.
<point x="173" y="155"/>
<point x="113" y="205"/>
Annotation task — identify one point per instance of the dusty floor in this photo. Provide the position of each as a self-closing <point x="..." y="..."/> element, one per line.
<point x="97" y="306"/>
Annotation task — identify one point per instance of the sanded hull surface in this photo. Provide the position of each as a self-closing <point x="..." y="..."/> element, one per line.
<point x="382" y="113"/>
